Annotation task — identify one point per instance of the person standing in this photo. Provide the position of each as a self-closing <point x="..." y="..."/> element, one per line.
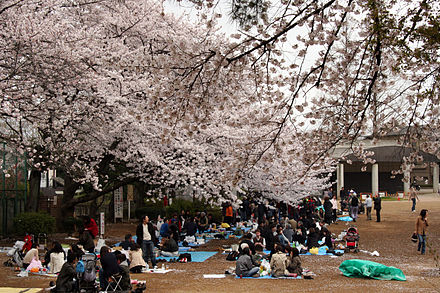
<point x="354" y="206"/>
<point x="377" y="206"/>
<point x="334" y="207"/>
<point x="146" y="239"/>
<point x="421" y="229"/>
<point x="368" y="205"/>
<point x="413" y="196"/>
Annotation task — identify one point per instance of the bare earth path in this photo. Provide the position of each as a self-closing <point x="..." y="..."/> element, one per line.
<point x="391" y="238"/>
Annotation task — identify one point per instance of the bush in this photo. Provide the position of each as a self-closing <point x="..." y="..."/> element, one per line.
<point x="34" y="223"/>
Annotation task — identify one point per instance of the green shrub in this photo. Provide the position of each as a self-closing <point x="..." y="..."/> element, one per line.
<point x="34" y="223"/>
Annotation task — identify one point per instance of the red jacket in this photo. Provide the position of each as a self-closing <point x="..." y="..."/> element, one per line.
<point x="92" y="227"/>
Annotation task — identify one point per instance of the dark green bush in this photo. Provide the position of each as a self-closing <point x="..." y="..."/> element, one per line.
<point x="34" y="223"/>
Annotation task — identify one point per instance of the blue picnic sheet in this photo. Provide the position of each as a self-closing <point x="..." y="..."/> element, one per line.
<point x="269" y="278"/>
<point x="196" y="256"/>
<point x="322" y="251"/>
<point x="345" y="219"/>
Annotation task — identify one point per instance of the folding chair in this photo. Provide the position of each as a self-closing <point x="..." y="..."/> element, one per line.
<point x="113" y="284"/>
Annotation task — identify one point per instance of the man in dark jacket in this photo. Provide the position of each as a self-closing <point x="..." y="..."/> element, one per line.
<point x="328" y="210"/>
<point x="146" y="238"/>
<point x="377" y="206"/>
<point x="65" y="281"/>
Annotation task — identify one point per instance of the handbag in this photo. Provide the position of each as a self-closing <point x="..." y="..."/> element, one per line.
<point x="414" y="237"/>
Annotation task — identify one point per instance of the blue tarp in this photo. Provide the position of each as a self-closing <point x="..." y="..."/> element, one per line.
<point x="196" y="256"/>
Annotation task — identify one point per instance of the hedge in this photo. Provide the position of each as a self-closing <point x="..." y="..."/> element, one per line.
<point x="34" y="223"/>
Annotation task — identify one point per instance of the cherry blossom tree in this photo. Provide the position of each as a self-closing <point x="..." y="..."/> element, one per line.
<point x="117" y="91"/>
<point x="350" y="68"/>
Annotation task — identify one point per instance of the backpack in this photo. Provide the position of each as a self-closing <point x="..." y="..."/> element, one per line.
<point x="80" y="267"/>
<point x="232" y="256"/>
<point x="186" y="256"/>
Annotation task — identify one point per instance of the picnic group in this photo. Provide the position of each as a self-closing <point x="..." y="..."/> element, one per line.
<point x="271" y="238"/>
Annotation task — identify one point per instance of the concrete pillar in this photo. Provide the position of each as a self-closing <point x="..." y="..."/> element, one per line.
<point x="435" y="178"/>
<point x="406" y="182"/>
<point x="340" y="177"/>
<point x="375" y="179"/>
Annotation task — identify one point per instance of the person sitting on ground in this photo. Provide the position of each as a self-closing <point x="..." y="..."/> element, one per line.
<point x="278" y="262"/>
<point x="169" y="247"/>
<point x="30" y="255"/>
<point x="259" y="241"/>
<point x="327" y="235"/>
<point x="247" y="238"/>
<point x="137" y="262"/>
<point x="173" y="230"/>
<point x="312" y="238"/>
<point x="244" y="266"/>
<point x="47" y="254"/>
<point x="65" y="280"/>
<point x="86" y="240"/>
<point x="56" y="258"/>
<point x="127" y="244"/>
<point x="288" y="232"/>
<point x="164" y="228"/>
<point x="190" y="227"/>
<point x="91" y="226"/>
<point x="294" y="265"/>
<point x="282" y="238"/>
<point x="109" y="266"/>
<point x="270" y="237"/>
<point x="74" y="249"/>
<point x="125" y="283"/>
<point x="203" y="222"/>
<point x="300" y="234"/>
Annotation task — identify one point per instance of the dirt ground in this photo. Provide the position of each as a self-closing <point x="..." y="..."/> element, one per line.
<point x="391" y="238"/>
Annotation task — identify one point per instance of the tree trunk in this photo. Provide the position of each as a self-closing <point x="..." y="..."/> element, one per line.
<point x="139" y="194"/>
<point x="93" y="208"/>
<point x="66" y="207"/>
<point x="34" y="191"/>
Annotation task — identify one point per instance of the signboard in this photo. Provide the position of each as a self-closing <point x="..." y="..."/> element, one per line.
<point x="119" y="203"/>
<point x="101" y="223"/>
<point x="130" y="196"/>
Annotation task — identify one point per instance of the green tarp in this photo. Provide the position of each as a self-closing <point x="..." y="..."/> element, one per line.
<point x="358" y="268"/>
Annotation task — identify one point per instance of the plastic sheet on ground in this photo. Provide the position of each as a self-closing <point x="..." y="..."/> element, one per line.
<point x="214" y="276"/>
<point x="345" y="219"/>
<point x="196" y="256"/>
<point x="358" y="268"/>
<point x="17" y="290"/>
<point x="267" y="277"/>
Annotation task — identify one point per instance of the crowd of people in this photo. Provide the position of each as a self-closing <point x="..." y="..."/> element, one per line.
<point x="281" y="230"/>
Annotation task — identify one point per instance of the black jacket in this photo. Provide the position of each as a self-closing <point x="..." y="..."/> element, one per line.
<point x="377" y="203"/>
<point x="140" y="233"/>
<point x="65" y="278"/>
<point x="109" y="264"/>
